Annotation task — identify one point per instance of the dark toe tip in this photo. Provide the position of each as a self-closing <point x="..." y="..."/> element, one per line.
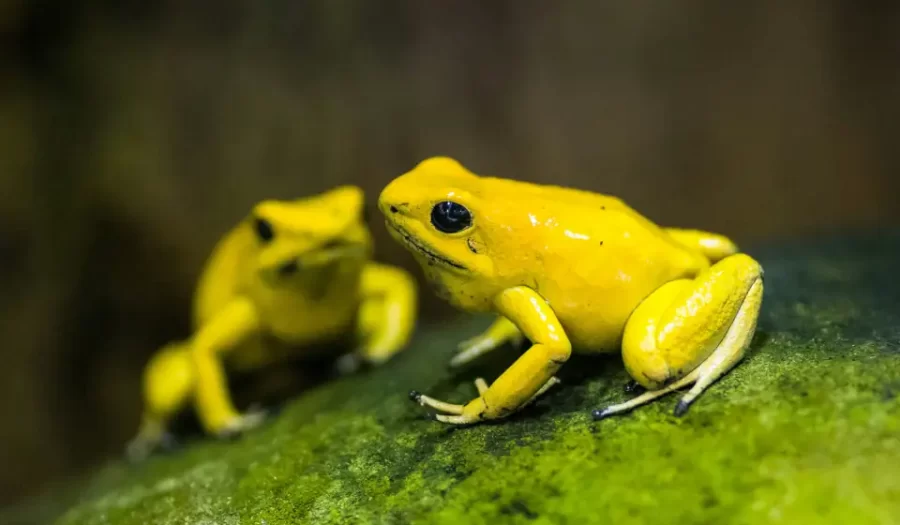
<point x="414" y="396"/>
<point x="633" y="387"/>
<point x="681" y="408"/>
<point x="598" y="414"/>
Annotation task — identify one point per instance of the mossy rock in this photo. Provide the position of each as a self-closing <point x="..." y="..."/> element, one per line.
<point x="805" y="430"/>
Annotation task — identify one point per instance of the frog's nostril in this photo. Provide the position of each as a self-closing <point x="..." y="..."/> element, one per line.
<point x="394" y="209"/>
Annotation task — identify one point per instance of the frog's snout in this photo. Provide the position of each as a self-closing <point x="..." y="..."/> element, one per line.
<point x="390" y="200"/>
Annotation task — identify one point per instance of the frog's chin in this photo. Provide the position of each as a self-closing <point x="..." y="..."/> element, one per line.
<point x="314" y="260"/>
<point x="325" y="256"/>
<point x="423" y="252"/>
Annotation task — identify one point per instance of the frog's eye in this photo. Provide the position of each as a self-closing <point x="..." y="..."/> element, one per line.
<point x="263" y="229"/>
<point x="450" y="217"/>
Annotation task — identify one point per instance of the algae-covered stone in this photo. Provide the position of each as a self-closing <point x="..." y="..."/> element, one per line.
<point x="805" y="430"/>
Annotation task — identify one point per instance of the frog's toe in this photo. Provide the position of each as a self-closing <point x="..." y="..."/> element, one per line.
<point x="461" y="419"/>
<point x="139" y="449"/>
<point x="633" y="387"/>
<point x="151" y="437"/>
<point x="681" y="408"/>
<point x="603" y="413"/>
<point x="168" y="442"/>
<point x="243" y="423"/>
<point x="142" y="447"/>
<point x="471" y="349"/>
<point x="425" y="401"/>
<point x="348" y="363"/>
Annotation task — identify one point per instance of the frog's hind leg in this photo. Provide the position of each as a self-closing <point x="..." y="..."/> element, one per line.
<point x="691" y="332"/>
<point x="713" y="246"/>
<point x="169" y="381"/>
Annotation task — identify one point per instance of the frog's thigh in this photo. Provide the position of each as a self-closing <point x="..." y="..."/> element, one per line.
<point x="692" y="331"/>
<point x="713" y="246"/>
<point x="387" y="315"/>
<point x="501" y="331"/>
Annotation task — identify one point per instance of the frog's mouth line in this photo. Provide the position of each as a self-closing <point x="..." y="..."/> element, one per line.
<point x="328" y="254"/>
<point x="413" y="243"/>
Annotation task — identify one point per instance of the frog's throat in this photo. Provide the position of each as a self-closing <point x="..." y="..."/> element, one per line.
<point x="424" y="250"/>
<point x="317" y="259"/>
<point x="328" y="255"/>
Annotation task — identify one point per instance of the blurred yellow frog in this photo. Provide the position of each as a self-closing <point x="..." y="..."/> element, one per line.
<point x="291" y="274"/>
<point x="572" y="270"/>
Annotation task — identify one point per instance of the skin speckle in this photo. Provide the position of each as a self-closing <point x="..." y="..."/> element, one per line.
<point x="471" y="244"/>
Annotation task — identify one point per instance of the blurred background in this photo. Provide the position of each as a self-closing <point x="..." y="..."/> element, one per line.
<point x="133" y="134"/>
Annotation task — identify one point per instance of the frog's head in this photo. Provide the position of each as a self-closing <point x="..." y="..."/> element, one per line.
<point x="434" y="210"/>
<point x="311" y="232"/>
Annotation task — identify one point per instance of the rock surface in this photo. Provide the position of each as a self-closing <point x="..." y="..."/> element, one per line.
<point x="806" y="429"/>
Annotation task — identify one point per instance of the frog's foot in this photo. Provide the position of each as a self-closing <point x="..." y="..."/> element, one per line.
<point x="691" y="332"/>
<point x="349" y="363"/>
<point x="498" y="334"/>
<point x="140" y="448"/>
<point x="364" y="357"/>
<point x="242" y="423"/>
<point x="464" y="414"/>
<point x="633" y="387"/>
<point x="646" y="397"/>
<point x="151" y="438"/>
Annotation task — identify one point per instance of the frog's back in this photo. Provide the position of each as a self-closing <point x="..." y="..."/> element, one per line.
<point x="592" y="257"/>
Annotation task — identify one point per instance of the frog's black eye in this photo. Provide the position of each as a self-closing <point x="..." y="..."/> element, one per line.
<point x="263" y="229"/>
<point x="450" y="217"/>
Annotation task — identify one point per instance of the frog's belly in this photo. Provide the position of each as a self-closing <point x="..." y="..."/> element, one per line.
<point x="296" y="329"/>
<point x="595" y="324"/>
<point x="306" y="326"/>
<point x="307" y="336"/>
<point x="266" y="350"/>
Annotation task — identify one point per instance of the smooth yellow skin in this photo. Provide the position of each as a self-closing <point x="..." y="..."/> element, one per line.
<point x="573" y="270"/>
<point x="270" y="290"/>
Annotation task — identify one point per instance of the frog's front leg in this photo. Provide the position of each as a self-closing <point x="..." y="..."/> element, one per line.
<point x="386" y="318"/>
<point x="223" y="333"/>
<point x="501" y="331"/>
<point x="531" y="375"/>
<point x="168" y="384"/>
<point x="691" y="331"/>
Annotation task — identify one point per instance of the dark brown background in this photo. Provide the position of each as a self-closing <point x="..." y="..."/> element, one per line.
<point x="134" y="133"/>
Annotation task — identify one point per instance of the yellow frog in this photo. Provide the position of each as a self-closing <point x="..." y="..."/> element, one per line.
<point x="290" y="274"/>
<point x="572" y="270"/>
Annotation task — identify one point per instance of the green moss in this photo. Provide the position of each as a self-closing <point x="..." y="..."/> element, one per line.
<point x="806" y="429"/>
